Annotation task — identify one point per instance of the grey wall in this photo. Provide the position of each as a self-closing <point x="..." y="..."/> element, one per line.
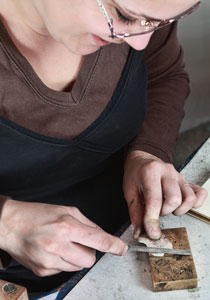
<point x="194" y="34"/>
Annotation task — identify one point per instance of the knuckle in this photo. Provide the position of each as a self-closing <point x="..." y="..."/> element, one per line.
<point x="90" y="261"/>
<point x="150" y="197"/>
<point x="174" y="201"/>
<point x="166" y="210"/>
<point x="148" y="192"/>
<point x="61" y="225"/>
<point x="151" y="166"/>
<point x="164" y="213"/>
<point x="65" y="227"/>
<point x="170" y="168"/>
<point x="191" y="200"/>
<point x="204" y="193"/>
<point x="49" y="246"/>
<point x="40" y="272"/>
<point x="46" y="264"/>
<point x="75" y="211"/>
<point x="105" y="244"/>
<point x="145" y="169"/>
<point x="177" y="213"/>
<point x="152" y="203"/>
<point x="182" y="178"/>
<point x="197" y="205"/>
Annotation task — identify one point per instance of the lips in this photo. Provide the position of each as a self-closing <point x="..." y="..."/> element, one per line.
<point x="98" y="41"/>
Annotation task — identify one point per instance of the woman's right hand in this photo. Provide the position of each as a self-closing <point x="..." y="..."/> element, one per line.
<point x="49" y="239"/>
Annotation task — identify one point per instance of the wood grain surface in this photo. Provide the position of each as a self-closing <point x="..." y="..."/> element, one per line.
<point x="174" y="272"/>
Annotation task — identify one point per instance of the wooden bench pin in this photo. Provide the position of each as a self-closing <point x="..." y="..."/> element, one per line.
<point x="170" y="271"/>
<point x="171" y="261"/>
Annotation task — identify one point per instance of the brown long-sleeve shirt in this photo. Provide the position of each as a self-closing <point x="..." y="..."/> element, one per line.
<point x="27" y="101"/>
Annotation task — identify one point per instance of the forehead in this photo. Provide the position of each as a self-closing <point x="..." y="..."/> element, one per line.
<point x="156" y="8"/>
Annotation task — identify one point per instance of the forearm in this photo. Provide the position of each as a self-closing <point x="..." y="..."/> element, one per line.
<point x="5" y="258"/>
<point x="3" y="200"/>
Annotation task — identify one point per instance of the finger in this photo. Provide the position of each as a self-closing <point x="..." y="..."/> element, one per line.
<point x="136" y="211"/>
<point x="78" y="255"/>
<point x="47" y="266"/>
<point x="153" y="202"/>
<point x="44" y="263"/>
<point x="42" y="272"/>
<point x="97" y="239"/>
<point x="135" y="205"/>
<point x="45" y="272"/>
<point x="172" y="195"/>
<point x="65" y="266"/>
<point x="188" y="200"/>
<point x="65" y="246"/>
<point x="201" y="195"/>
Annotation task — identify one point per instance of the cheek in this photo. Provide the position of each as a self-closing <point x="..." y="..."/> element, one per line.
<point x="139" y="42"/>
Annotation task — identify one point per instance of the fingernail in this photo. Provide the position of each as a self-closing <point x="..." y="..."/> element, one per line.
<point x="125" y="250"/>
<point x="155" y="233"/>
<point x="136" y="233"/>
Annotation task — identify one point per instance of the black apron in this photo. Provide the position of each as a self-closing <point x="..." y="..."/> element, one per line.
<point x="85" y="172"/>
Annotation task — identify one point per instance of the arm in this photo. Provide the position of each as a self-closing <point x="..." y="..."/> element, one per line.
<point x="168" y="88"/>
<point x="152" y="187"/>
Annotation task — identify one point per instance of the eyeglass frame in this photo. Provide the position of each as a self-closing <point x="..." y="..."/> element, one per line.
<point x="162" y="23"/>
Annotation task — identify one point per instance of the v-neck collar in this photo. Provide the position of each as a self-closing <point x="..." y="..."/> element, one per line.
<point x="70" y="98"/>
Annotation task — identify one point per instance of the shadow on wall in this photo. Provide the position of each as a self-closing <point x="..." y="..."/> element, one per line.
<point x="194" y="35"/>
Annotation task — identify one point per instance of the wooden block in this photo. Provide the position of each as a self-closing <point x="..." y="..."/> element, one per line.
<point x="174" y="272"/>
<point x="11" y="291"/>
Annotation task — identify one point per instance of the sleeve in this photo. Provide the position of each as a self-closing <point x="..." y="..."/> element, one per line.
<point x="168" y="88"/>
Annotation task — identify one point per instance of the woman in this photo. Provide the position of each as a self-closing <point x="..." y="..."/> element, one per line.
<point x="73" y="115"/>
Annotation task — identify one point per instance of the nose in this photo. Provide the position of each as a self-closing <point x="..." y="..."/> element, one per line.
<point x="139" y="42"/>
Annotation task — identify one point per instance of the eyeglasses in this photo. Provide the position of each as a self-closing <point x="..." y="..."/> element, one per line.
<point x="144" y="26"/>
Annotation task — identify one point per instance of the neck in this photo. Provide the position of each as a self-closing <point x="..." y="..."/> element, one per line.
<point x="23" y="11"/>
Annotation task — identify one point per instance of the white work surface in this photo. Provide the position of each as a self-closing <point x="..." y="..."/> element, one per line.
<point x="129" y="277"/>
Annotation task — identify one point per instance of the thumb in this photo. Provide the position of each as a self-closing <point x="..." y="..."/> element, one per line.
<point x="152" y="226"/>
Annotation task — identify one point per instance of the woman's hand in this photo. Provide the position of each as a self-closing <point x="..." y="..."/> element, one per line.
<point x="153" y="188"/>
<point x="49" y="239"/>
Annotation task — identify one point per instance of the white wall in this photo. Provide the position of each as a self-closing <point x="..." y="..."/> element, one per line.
<point x="194" y="34"/>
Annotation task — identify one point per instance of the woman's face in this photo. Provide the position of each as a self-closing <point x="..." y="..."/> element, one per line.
<point x="82" y="28"/>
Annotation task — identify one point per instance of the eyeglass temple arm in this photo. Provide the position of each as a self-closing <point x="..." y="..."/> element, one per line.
<point x="109" y="21"/>
<point x="185" y="13"/>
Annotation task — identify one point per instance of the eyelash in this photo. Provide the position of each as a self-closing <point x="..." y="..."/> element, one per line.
<point x="124" y="19"/>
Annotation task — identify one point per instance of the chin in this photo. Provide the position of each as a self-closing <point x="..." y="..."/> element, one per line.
<point x="81" y="47"/>
<point x="83" y="50"/>
<point x="89" y="50"/>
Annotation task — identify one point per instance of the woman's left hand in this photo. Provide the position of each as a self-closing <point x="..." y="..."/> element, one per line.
<point x="153" y="188"/>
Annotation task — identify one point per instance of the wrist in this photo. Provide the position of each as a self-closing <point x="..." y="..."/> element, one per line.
<point x="140" y="154"/>
<point x="4" y="201"/>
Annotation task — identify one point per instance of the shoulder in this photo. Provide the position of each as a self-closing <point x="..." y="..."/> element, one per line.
<point x="162" y="38"/>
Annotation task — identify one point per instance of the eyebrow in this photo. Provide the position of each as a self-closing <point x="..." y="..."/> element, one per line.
<point x="128" y="11"/>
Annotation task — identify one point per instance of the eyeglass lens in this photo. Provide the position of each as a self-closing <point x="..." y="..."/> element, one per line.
<point x="147" y="26"/>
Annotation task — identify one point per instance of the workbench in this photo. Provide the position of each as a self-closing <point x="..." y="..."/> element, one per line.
<point x="129" y="277"/>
